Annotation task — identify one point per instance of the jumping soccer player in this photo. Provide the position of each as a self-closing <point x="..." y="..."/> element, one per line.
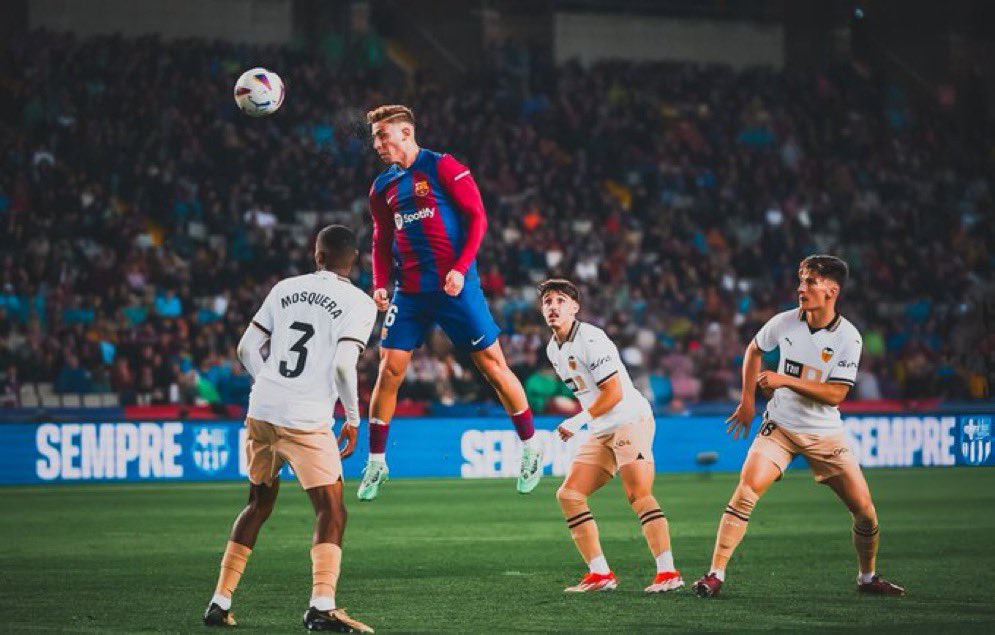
<point x="428" y="223"/>
<point x="315" y="326"/>
<point x="622" y="428"/>
<point x="820" y="351"/>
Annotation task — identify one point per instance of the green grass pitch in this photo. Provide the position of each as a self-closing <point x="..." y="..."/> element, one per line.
<point x="474" y="556"/>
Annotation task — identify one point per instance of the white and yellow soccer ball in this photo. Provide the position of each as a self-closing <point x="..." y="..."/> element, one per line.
<point x="259" y="92"/>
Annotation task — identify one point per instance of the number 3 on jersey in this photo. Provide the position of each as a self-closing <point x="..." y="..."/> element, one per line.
<point x="299" y="347"/>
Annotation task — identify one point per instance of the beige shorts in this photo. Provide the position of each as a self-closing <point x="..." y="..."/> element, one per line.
<point x="828" y="455"/>
<point x="626" y="444"/>
<point x="314" y="454"/>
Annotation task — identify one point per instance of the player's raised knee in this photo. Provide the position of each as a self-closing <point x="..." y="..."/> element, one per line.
<point x="261" y="508"/>
<point x="865" y="515"/>
<point x="392" y="367"/>
<point x="744" y="498"/>
<point x="634" y="496"/>
<point x="567" y="496"/>
<point x="261" y="505"/>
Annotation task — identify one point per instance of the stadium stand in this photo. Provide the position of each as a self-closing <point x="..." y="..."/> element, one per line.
<point x="142" y="231"/>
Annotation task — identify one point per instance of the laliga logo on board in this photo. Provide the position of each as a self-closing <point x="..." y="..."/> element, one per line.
<point x="210" y="450"/>
<point x="976" y="439"/>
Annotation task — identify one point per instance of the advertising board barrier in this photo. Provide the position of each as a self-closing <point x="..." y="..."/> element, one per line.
<point x="456" y="447"/>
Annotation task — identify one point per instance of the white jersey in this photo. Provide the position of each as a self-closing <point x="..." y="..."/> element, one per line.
<point x="829" y="354"/>
<point x="584" y="361"/>
<point x="306" y="317"/>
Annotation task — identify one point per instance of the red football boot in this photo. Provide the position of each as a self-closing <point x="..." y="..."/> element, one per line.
<point x="595" y="582"/>
<point x="880" y="586"/>
<point x="707" y="586"/>
<point x="665" y="581"/>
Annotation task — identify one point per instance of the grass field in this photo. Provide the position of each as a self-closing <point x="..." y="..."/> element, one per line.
<point x="473" y="556"/>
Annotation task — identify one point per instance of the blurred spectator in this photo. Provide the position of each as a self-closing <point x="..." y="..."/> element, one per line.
<point x="72" y="378"/>
<point x="10" y="389"/>
<point x="867" y="386"/>
<point x="168" y="305"/>
<point x="542" y="386"/>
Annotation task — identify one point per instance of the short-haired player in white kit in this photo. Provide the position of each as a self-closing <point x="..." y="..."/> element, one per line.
<point x="622" y="428"/>
<point x="819" y="355"/>
<point x="315" y="326"/>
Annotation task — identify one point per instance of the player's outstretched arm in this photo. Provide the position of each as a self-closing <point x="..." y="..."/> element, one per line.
<point x="829" y="393"/>
<point x="383" y="238"/>
<point x="458" y="183"/>
<point x="250" y="349"/>
<point x="347" y="385"/>
<point x="742" y="418"/>
<point x="610" y="396"/>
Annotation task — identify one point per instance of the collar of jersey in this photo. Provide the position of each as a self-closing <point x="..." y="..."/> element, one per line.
<point x="570" y="336"/>
<point x="832" y="326"/>
<point x="333" y="274"/>
<point x="398" y="170"/>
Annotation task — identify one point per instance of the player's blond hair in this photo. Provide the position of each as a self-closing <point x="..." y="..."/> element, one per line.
<point x="393" y="112"/>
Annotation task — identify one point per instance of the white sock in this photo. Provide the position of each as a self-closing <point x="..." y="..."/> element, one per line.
<point x="222" y="600"/>
<point x="665" y="561"/>
<point x="323" y="603"/>
<point x="378" y="456"/>
<point x="719" y="573"/>
<point x="599" y="565"/>
<point x="532" y="442"/>
<point x="865" y="578"/>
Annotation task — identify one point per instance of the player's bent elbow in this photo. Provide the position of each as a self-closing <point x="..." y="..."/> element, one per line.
<point x="838" y="394"/>
<point x="243" y="356"/>
<point x="342" y="371"/>
<point x="613" y="400"/>
<point x="612" y="392"/>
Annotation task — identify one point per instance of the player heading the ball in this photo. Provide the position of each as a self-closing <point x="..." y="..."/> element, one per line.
<point x="819" y="355"/>
<point x="622" y="428"/>
<point x="428" y="223"/>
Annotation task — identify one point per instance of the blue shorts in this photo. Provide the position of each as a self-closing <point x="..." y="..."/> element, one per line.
<point x="466" y="319"/>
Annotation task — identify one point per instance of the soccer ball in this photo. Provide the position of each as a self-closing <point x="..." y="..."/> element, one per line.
<point x="259" y="92"/>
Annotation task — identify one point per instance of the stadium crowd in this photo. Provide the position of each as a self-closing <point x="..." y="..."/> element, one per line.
<point x="144" y="219"/>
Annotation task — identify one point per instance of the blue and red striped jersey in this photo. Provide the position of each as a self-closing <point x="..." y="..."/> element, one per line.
<point x="428" y="219"/>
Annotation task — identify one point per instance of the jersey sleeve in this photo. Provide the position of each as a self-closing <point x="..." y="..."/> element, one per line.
<point x="601" y="357"/>
<point x="458" y="183"/>
<point x="263" y="319"/>
<point x="844" y="371"/>
<point x="359" y="324"/>
<point x="768" y="336"/>
<point x="383" y="239"/>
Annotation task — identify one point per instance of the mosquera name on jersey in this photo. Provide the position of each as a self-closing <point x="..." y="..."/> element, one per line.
<point x="587" y="359"/>
<point x="306" y="317"/>
<point x="829" y="354"/>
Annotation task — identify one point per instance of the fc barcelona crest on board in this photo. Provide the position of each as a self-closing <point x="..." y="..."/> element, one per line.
<point x="976" y="439"/>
